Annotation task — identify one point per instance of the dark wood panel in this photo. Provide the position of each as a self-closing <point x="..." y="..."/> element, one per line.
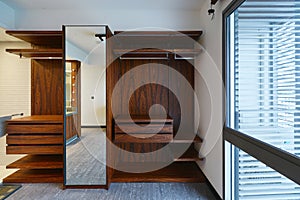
<point x="197" y="139"/>
<point x="143" y="119"/>
<point x="34" y="129"/>
<point x="37" y="53"/>
<point x="36" y="176"/>
<point x="176" y="172"/>
<point x="143" y="138"/>
<point x="185" y="69"/>
<point x="52" y="39"/>
<point x="38" y="119"/>
<point x="142" y="148"/>
<point x="36" y="149"/>
<point x="47" y="87"/>
<point x="34" y="139"/>
<point x="38" y="162"/>
<point x="189" y="155"/>
<point x="111" y="77"/>
<point x="145" y="96"/>
<point x="128" y="128"/>
<point x="71" y="128"/>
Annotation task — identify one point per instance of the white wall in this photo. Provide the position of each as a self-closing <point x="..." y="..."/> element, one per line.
<point x="14" y="80"/>
<point x="117" y="19"/>
<point x="7" y="16"/>
<point x="209" y="90"/>
<point x="93" y="111"/>
<point x="14" y="94"/>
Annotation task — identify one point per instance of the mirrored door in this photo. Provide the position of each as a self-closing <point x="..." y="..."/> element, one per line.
<point x="85" y="105"/>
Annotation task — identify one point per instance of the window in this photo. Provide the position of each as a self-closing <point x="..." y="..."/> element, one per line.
<point x="263" y="96"/>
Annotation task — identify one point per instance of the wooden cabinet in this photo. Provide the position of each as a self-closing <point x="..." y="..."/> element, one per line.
<point x="41" y="138"/>
<point x="145" y="48"/>
<point x="41" y="135"/>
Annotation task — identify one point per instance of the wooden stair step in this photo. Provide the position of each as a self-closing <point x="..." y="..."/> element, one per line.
<point x="36" y="176"/>
<point x="38" y="162"/>
<point x="197" y="139"/>
<point x="175" y="172"/>
<point x="190" y="155"/>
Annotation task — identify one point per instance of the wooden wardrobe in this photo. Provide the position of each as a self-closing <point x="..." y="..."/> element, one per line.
<point x="125" y="52"/>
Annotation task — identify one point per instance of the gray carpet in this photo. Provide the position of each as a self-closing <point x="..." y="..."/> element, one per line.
<point x="86" y="158"/>
<point x="117" y="191"/>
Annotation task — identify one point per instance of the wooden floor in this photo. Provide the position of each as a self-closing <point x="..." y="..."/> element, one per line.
<point x="117" y="191"/>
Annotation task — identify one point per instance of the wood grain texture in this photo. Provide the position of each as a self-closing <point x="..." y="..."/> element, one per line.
<point x="143" y="138"/>
<point x="38" y="119"/>
<point x="176" y="172"/>
<point x="34" y="139"/>
<point x="38" y="162"/>
<point x="143" y="119"/>
<point x="51" y="39"/>
<point x="37" y="53"/>
<point x="35" y="149"/>
<point x="47" y="87"/>
<point x="175" y="111"/>
<point x="35" y="176"/>
<point x="147" y="95"/>
<point x="140" y="128"/>
<point x="111" y="78"/>
<point x="35" y="129"/>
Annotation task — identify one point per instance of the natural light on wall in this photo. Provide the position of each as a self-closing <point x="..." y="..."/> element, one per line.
<point x="264" y="93"/>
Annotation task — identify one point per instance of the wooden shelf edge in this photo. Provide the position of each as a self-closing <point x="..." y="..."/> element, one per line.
<point x="175" y="172"/>
<point x="37" y="53"/>
<point x="197" y="139"/>
<point x="38" y="162"/>
<point x="194" y="33"/>
<point x="157" y="138"/>
<point x="190" y="155"/>
<point x="35" y="176"/>
<point x="157" y="51"/>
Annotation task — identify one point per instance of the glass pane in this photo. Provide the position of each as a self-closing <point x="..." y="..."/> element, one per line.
<point x="253" y="180"/>
<point x="264" y="73"/>
<point x="85" y="97"/>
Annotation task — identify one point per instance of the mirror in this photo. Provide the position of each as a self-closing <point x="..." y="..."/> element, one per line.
<point x="85" y="105"/>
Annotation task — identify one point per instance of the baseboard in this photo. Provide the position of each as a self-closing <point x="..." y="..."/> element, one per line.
<point x="96" y="126"/>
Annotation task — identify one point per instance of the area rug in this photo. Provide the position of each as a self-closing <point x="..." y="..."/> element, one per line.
<point x="6" y="190"/>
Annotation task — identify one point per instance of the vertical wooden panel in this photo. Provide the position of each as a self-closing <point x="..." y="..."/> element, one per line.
<point x="47" y="87"/>
<point x="144" y="97"/>
<point x="187" y="70"/>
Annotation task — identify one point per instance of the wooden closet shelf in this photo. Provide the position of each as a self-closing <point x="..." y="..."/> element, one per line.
<point x="197" y="139"/>
<point x="157" y="34"/>
<point x="37" y="53"/>
<point x="38" y="119"/>
<point x="190" y="155"/>
<point x="143" y="119"/>
<point x="36" y="176"/>
<point x="38" y="162"/>
<point x="42" y="38"/>
<point x="175" y="172"/>
<point x="143" y="138"/>
<point x="157" y="51"/>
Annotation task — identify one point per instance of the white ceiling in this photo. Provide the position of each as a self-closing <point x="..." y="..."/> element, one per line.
<point x="84" y="37"/>
<point x="106" y="4"/>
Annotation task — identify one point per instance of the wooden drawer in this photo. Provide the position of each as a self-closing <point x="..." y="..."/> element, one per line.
<point x="128" y="128"/>
<point x="143" y="138"/>
<point x="33" y="129"/>
<point x="34" y="139"/>
<point x="47" y="149"/>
